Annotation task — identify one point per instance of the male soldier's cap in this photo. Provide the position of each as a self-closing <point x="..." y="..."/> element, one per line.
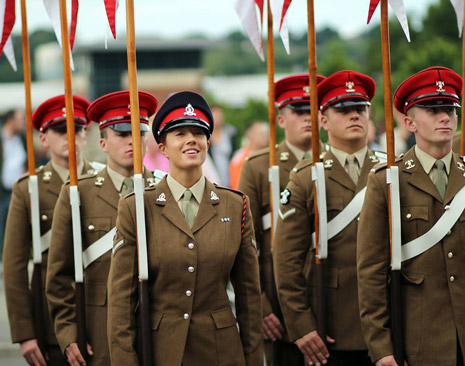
<point x="113" y="110"/>
<point x="345" y="89"/>
<point x="52" y="113"/>
<point x="435" y="86"/>
<point x="183" y="109"/>
<point x="294" y="92"/>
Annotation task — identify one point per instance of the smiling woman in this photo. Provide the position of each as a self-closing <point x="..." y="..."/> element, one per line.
<point x="199" y="236"/>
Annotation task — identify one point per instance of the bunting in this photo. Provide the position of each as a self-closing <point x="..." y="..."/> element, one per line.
<point x="279" y="10"/>
<point x="458" y="7"/>
<point x="7" y="21"/>
<point x="399" y="10"/>
<point x="247" y="11"/>
<point x="110" y="7"/>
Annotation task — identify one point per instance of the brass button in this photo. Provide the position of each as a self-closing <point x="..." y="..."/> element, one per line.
<point x="191" y="246"/>
<point x="408" y="216"/>
<point x="449" y="232"/>
<point x="190" y="269"/>
<point x="451" y="278"/>
<point x="358" y="218"/>
<point x="186" y="316"/>
<point x="91" y="227"/>
<point x="188" y="293"/>
<point x="446" y="207"/>
<point x="44" y="217"/>
<point x="450" y="255"/>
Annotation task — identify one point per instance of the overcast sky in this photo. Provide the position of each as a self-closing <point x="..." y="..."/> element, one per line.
<point x="175" y="18"/>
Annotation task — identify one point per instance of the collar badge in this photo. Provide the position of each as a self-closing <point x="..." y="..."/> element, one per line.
<point x="284" y="156"/>
<point x="410" y="164"/>
<point x="328" y="163"/>
<point x="214" y="196"/>
<point x="47" y="176"/>
<point x="161" y="198"/>
<point x="461" y="166"/>
<point x="99" y="181"/>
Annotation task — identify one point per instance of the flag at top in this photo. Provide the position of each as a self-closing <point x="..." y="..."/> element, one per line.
<point x="247" y="11"/>
<point x="399" y="10"/>
<point x="7" y="21"/>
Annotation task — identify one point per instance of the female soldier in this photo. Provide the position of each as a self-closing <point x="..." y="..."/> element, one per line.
<point x="199" y="236"/>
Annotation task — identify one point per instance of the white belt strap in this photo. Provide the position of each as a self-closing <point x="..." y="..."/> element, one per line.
<point x="98" y="248"/>
<point x="392" y="178"/>
<point x="438" y="231"/>
<point x="318" y="175"/>
<point x="266" y="221"/>
<point x="45" y="241"/>
<point x="346" y="216"/>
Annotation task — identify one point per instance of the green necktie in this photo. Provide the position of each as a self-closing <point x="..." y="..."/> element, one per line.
<point x="187" y="209"/>
<point x="128" y="186"/>
<point x="352" y="168"/>
<point x="440" y="178"/>
<point x="307" y="155"/>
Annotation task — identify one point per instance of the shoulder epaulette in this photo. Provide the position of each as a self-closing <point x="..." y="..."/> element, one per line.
<point x="381" y="166"/>
<point x="258" y="153"/>
<point x="302" y="165"/>
<point x="26" y="174"/>
<point x="96" y="167"/>
<point x="228" y="189"/>
<point x="87" y="176"/>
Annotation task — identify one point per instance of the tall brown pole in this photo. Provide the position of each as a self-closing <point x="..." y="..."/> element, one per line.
<point x="321" y="293"/>
<point x="74" y="194"/>
<point x="36" y="283"/>
<point x="462" y="132"/>
<point x="395" y="289"/>
<point x="145" y="331"/>
<point x="271" y="106"/>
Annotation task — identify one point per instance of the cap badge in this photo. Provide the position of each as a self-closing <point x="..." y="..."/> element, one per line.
<point x="129" y="109"/>
<point x="350" y="87"/>
<point x="440" y="85"/>
<point x="161" y="198"/>
<point x="213" y="196"/>
<point x="410" y="164"/>
<point x="306" y="90"/>
<point x="64" y="111"/>
<point x="284" y="156"/>
<point x="190" y="111"/>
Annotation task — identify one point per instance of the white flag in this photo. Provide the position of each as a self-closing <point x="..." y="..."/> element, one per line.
<point x="399" y="10"/>
<point x="247" y="11"/>
<point x="53" y="11"/>
<point x="10" y="53"/>
<point x="458" y="7"/>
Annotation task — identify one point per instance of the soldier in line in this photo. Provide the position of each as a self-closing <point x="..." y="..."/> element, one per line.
<point x="99" y="195"/>
<point x="344" y="100"/>
<point x="199" y="235"/>
<point x="50" y="119"/>
<point x="431" y="177"/>
<point x="293" y="103"/>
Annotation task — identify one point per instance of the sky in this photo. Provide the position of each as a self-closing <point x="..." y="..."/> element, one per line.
<point x="174" y="19"/>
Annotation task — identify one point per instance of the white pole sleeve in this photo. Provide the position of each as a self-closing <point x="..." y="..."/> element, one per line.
<point x="318" y="175"/>
<point x="35" y="219"/>
<point x="273" y="178"/>
<point x="392" y="178"/>
<point x="75" y="202"/>
<point x="141" y="233"/>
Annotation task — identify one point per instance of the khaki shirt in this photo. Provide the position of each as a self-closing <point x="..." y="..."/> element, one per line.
<point x="177" y="190"/>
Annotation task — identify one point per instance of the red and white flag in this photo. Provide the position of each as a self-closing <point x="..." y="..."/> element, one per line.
<point x="7" y="21"/>
<point x="399" y="10"/>
<point x="458" y="7"/>
<point x="110" y="7"/>
<point x="53" y="11"/>
<point x="279" y="10"/>
<point x="247" y="11"/>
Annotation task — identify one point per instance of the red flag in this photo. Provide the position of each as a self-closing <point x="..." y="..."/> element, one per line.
<point x="74" y="14"/>
<point x="247" y="11"/>
<point x="8" y="21"/>
<point x="286" y="5"/>
<point x="373" y="6"/>
<point x="110" y="7"/>
<point x="260" y="4"/>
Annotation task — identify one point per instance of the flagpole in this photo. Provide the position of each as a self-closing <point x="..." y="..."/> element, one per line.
<point x="395" y="283"/>
<point x="36" y="283"/>
<point x="462" y="128"/>
<point x="145" y="335"/>
<point x="320" y="263"/>
<point x="74" y="193"/>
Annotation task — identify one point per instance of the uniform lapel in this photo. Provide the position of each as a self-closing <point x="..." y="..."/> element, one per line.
<point x="369" y="162"/>
<point x="286" y="161"/>
<point x="417" y="175"/>
<point x="107" y="191"/>
<point x="206" y="209"/>
<point x="456" y="178"/>
<point x="336" y="172"/>
<point x="170" y="208"/>
<point x="52" y="179"/>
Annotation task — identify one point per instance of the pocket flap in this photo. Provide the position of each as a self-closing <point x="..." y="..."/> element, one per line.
<point x="96" y="293"/>
<point x="93" y="224"/>
<point x="413" y="278"/>
<point x="224" y="318"/>
<point x="334" y="203"/>
<point x="410" y="213"/>
<point x="156" y="319"/>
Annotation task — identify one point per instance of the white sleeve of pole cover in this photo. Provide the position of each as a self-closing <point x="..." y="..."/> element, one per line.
<point x="392" y="178"/>
<point x="75" y="202"/>
<point x="140" y="222"/>
<point x="318" y="175"/>
<point x="273" y="177"/>
<point x="35" y="219"/>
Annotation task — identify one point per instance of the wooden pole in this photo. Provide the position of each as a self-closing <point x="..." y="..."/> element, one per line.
<point x="462" y="128"/>
<point x="74" y="194"/>
<point x="36" y="283"/>
<point x="395" y="289"/>
<point x="145" y="329"/>
<point x="312" y="66"/>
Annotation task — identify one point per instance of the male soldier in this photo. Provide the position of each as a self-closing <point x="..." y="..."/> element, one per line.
<point x="431" y="180"/>
<point x="50" y="120"/>
<point x="99" y="195"/>
<point x="293" y="103"/>
<point x="344" y="100"/>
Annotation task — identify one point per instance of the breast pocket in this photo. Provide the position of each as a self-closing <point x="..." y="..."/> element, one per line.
<point x="334" y="205"/>
<point x="93" y="229"/>
<point x="414" y="220"/>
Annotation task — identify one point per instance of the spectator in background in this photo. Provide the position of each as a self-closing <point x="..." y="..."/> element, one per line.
<point x="154" y="159"/>
<point x="222" y="145"/>
<point x="403" y="139"/>
<point x="371" y="136"/>
<point x="13" y="160"/>
<point x="256" y="138"/>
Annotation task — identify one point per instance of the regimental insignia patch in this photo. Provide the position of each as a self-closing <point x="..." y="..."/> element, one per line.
<point x="328" y="163"/>
<point x="284" y="156"/>
<point x="285" y="197"/>
<point x="214" y="196"/>
<point x="461" y="166"/>
<point x="161" y="198"/>
<point x="47" y="176"/>
<point x="410" y="164"/>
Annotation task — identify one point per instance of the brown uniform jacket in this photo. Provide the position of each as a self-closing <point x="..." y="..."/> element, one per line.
<point x="296" y="282"/>
<point x="255" y="184"/>
<point x="18" y="249"/>
<point x="434" y="306"/>
<point x="192" y="321"/>
<point x="99" y="205"/>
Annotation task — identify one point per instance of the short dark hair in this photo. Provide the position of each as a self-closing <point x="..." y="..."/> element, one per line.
<point x="103" y="133"/>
